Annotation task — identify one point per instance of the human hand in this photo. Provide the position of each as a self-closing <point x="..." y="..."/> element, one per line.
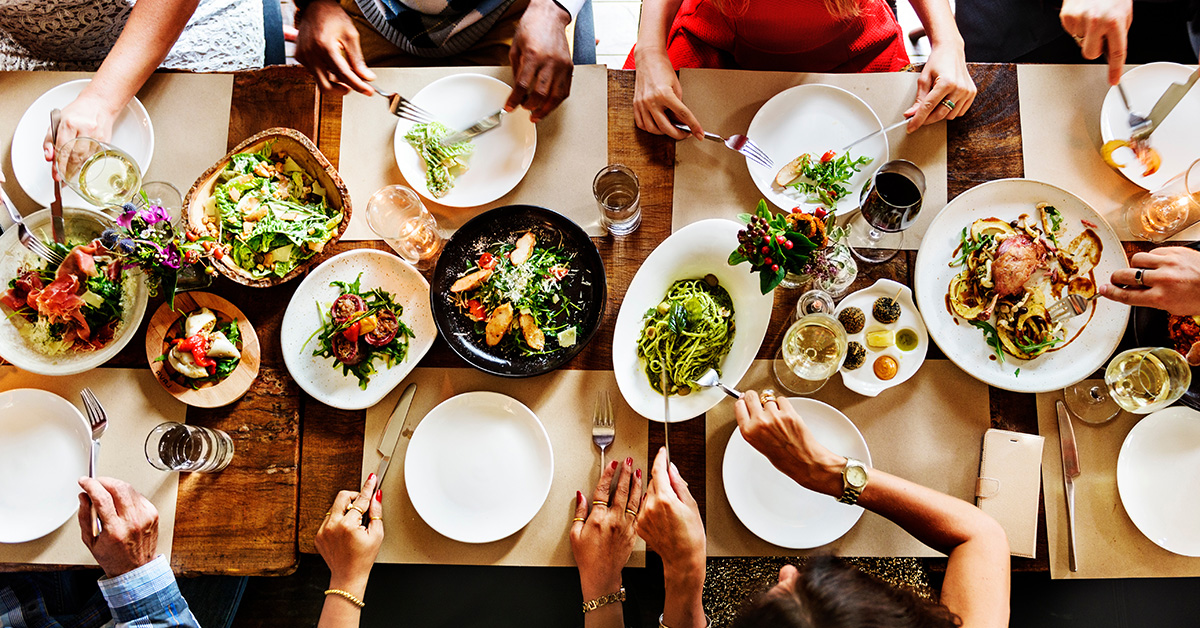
<point x="656" y="93"/>
<point x="603" y="540"/>
<point x="327" y="44"/>
<point x="541" y="60"/>
<point x="945" y="77"/>
<point x="670" y="520"/>
<point x="1100" y="27"/>
<point x="776" y="430"/>
<point x="129" y="525"/>
<point x="1171" y="275"/>
<point x="347" y="547"/>
<point x="88" y="115"/>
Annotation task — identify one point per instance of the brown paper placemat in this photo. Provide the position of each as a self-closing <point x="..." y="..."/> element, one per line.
<point x="1060" y="139"/>
<point x="711" y="181"/>
<point x="928" y="430"/>
<point x="563" y="401"/>
<point x="572" y="146"/>
<point x="1108" y="544"/>
<point x="135" y="403"/>
<point x="190" y="114"/>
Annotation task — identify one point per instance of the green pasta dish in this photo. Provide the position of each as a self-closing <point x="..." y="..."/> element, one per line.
<point x="442" y="163"/>
<point x="689" y="332"/>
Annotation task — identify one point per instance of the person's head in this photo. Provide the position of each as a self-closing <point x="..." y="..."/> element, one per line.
<point x="828" y="593"/>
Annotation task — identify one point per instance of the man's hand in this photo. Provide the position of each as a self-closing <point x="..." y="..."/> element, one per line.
<point x="541" y="60"/>
<point x="1100" y="27"/>
<point x="129" y="522"/>
<point x="1171" y="276"/>
<point x="327" y="44"/>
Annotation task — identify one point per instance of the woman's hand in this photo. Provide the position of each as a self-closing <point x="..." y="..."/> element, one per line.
<point x="327" y="44"/>
<point x="1171" y="276"/>
<point x="671" y="525"/>
<point x="1100" y="27"/>
<point x="87" y="116"/>
<point x="348" y="547"/>
<point x="658" y="93"/>
<point x="945" y="78"/>
<point x="776" y="430"/>
<point x="602" y="540"/>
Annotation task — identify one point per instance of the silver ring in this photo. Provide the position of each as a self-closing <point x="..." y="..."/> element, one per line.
<point x="1137" y="277"/>
<point x="947" y="103"/>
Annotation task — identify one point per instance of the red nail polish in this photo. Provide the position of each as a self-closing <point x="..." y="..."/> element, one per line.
<point x="578" y="498"/>
<point x="629" y="461"/>
<point x="613" y="465"/>
<point x="370" y="477"/>
<point x="379" y="496"/>
<point x="639" y="474"/>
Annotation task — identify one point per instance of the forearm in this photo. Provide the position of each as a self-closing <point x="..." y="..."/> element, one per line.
<point x="338" y="611"/>
<point x="149" y="595"/>
<point x="938" y="20"/>
<point x="610" y="615"/>
<point x="657" y="17"/>
<point x="682" y="601"/>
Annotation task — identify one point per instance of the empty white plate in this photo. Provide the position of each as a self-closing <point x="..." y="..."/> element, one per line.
<point x="1177" y="139"/>
<point x="479" y="467"/>
<point x="45" y="446"/>
<point x="772" y="505"/>
<point x="1158" y="478"/>
<point x="132" y="133"/>
<point x="501" y="157"/>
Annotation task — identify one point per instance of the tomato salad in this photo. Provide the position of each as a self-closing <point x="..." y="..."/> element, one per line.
<point x="361" y="328"/>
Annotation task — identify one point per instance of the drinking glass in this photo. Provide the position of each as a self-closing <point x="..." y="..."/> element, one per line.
<point x="178" y="447"/>
<point x="1140" y="381"/>
<point x="1168" y="210"/>
<point x="890" y="204"/>
<point x="398" y="216"/>
<point x="101" y="173"/>
<point x="166" y="196"/>
<point x="618" y="194"/>
<point x="813" y="348"/>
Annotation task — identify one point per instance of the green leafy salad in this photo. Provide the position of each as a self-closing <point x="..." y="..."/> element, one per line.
<point x="821" y="180"/>
<point x="360" y="328"/>
<point x="442" y="163"/>
<point x="274" y="215"/>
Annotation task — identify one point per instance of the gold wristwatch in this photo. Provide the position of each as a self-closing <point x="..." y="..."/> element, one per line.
<point x="854" y="480"/>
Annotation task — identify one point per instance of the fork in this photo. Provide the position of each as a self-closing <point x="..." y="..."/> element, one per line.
<point x="739" y="143"/>
<point x="99" y="422"/>
<point x="1138" y="124"/>
<point x="603" y="427"/>
<point x="31" y="242"/>
<point x="1069" y="306"/>
<point x="711" y="378"/>
<point x="404" y="108"/>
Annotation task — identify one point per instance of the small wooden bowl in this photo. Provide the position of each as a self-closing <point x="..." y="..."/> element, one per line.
<point x="223" y="392"/>
<point x="307" y="156"/>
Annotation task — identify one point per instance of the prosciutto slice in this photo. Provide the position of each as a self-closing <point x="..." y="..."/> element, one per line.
<point x="60" y="301"/>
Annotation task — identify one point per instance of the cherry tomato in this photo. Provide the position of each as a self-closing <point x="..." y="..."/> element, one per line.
<point x="487" y="260"/>
<point x="351" y="332"/>
<point x="475" y="308"/>
<point x="828" y="157"/>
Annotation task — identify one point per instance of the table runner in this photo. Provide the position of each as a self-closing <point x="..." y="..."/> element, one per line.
<point x="712" y="181"/>
<point x="572" y="146"/>
<point x="563" y="401"/>
<point x="190" y="114"/>
<point x="928" y="430"/>
<point x="135" y="403"/>
<point x="1108" y="544"/>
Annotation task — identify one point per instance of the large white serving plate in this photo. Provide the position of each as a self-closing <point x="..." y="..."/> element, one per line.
<point x="501" y="157"/>
<point x="1177" y="139"/>
<point x="132" y="132"/>
<point x="45" y="445"/>
<point x="694" y="251"/>
<point x="1007" y="199"/>
<point x="1163" y="451"/>
<point x="814" y="119"/>
<point x="772" y="505"/>
<point x="320" y="377"/>
<point x="479" y="467"/>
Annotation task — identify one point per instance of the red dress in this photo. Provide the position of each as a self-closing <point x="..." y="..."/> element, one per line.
<point x="788" y="35"/>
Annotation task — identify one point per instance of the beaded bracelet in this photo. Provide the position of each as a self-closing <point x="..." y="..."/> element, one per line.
<point x="348" y="595"/>
<point x="619" y="596"/>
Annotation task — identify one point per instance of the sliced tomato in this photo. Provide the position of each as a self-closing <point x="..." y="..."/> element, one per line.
<point x="558" y="272"/>
<point x="487" y="260"/>
<point x="828" y="157"/>
<point x="351" y="332"/>
<point x="475" y="310"/>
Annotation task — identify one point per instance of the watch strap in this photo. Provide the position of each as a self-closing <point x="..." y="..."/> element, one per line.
<point x="850" y="493"/>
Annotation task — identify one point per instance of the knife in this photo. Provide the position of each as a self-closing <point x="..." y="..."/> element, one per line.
<point x="393" y="431"/>
<point x="1070" y="460"/>
<point x="56" y="215"/>
<point x="1167" y="102"/>
<point x="483" y="125"/>
<point x="666" y="409"/>
<point x="873" y="134"/>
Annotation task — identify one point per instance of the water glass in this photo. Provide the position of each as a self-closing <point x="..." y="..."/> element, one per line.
<point x="618" y="194"/>
<point x="396" y="214"/>
<point x="1168" y="210"/>
<point x="101" y="173"/>
<point x="166" y="196"/>
<point x="178" y="447"/>
<point x="890" y="204"/>
<point x="813" y="348"/>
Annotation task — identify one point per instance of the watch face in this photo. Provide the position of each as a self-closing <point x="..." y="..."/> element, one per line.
<point x="856" y="477"/>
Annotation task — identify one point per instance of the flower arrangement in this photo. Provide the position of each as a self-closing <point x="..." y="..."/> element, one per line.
<point x="145" y="239"/>
<point x="797" y="243"/>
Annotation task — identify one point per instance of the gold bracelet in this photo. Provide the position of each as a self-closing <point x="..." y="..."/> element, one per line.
<point x="619" y="596"/>
<point x="348" y="595"/>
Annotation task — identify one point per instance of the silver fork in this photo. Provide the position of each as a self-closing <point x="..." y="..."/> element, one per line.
<point x="739" y="143"/>
<point x="402" y="107"/>
<point x="603" y="426"/>
<point x="31" y="242"/>
<point x="1068" y="307"/>
<point x="99" y="422"/>
<point x="1138" y="124"/>
<point x="710" y="378"/>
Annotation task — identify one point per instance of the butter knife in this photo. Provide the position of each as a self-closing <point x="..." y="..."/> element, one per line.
<point x="873" y="134"/>
<point x="1070" y="463"/>
<point x="483" y="125"/>
<point x="56" y="209"/>
<point x="393" y="431"/>
<point x="1167" y="102"/>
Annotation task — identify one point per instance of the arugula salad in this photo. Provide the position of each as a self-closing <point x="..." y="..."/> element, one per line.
<point x="274" y="215"/>
<point x="360" y="328"/>
<point x="442" y="163"/>
<point x="821" y="180"/>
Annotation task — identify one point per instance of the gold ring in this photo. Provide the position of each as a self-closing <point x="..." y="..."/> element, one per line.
<point x="328" y="514"/>
<point x="360" y="511"/>
<point x="596" y="502"/>
<point x="1137" y="276"/>
<point x="768" y="396"/>
<point x="376" y="518"/>
<point x="632" y="512"/>
<point x="1078" y="39"/>
<point x="578" y="519"/>
<point x="947" y="103"/>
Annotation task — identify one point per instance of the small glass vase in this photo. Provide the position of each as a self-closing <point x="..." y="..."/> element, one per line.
<point x="841" y="258"/>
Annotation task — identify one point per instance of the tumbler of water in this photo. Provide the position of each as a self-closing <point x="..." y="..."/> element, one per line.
<point x="178" y="447"/>
<point x="397" y="215"/>
<point x="619" y="196"/>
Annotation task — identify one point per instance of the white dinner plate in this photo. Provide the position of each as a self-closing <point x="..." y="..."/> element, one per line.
<point x="814" y="119"/>
<point x="1177" y="139"/>
<point x="694" y="251"/>
<point x="132" y="133"/>
<point x="501" y="156"/>
<point x="1162" y="453"/>
<point x="45" y="446"/>
<point x="479" y="467"/>
<point x="964" y="344"/>
<point x="863" y="380"/>
<point x="320" y="377"/>
<point x="772" y="505"/>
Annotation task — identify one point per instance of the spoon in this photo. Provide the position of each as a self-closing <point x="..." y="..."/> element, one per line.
<point x="710" y="378"/>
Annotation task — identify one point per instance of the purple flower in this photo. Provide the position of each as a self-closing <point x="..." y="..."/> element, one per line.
<point x="126" y="218"/>
<point x="153" y="214"/>
<point x="169" y="256"/>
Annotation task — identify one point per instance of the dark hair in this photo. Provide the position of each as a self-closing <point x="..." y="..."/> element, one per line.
<point x="833" y="594"/>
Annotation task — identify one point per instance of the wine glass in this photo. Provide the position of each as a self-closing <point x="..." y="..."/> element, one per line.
<point x="396" y="214"/>
<point x="1140" y="381"/>
<point x="1168" y="210"/>
<point x="890" y="204"/>
<point x="813" y="348"/>
<point x="101" y="173"/>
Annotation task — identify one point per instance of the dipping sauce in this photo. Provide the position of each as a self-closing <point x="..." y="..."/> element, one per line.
<point x="885" y="367"/>
<point x="906" y="339"/>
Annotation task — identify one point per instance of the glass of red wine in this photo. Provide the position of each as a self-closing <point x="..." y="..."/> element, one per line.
<point x="890" y="204"/>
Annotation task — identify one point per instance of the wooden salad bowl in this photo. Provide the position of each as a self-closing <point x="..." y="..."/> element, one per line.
<point x="306" y="154"/>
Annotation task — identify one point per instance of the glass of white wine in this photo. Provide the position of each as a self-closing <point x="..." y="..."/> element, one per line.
<point x="1140" y="381"/>
<point x="813" y="348"/>
<point x="101" y="173"/>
